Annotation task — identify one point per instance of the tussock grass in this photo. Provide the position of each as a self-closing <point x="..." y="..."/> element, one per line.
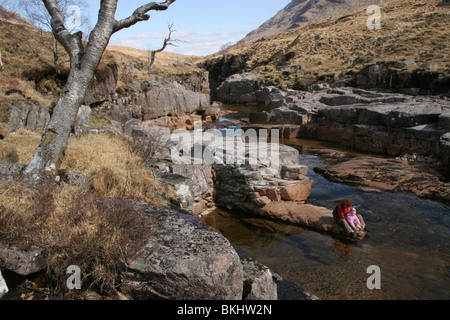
<point x="113" y="170"/>
<point x="74" y="227"/>
<point x="23" y="144"/>
<point x="81" y="227"/>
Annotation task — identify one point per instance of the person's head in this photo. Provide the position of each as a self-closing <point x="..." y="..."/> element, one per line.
<point x="353" y="211"/>
<point x="346" y="203"/>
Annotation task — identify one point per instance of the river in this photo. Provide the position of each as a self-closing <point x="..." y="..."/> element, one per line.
<point x="408" y="240"/>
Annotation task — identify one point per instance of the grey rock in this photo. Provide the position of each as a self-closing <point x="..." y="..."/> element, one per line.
<point x="294" y="172"/>
<point x="183" y="262"/>
<point x="426" y="67"/>
<point x="285" y="116"/>
<point x="444" y="119"/>
<point x="402" y="64"/>
<point x="128" y="127"/>
<point x="199" y="174"/>
<point x="23" y="262"/>
<point x="338" y="100"/>
<point x="3" y="286"/>
<point x="239" y="89"/>
<point x="258" y="282"/>
<point x="84" y="115"/>
<point x="258" y="117"/>
<point x="26" y="115"/>
<point x="186" y="191"/>
<point x="160" y="100"/>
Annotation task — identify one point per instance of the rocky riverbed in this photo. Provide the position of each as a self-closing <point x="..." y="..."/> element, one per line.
<point x="375" y="121"/>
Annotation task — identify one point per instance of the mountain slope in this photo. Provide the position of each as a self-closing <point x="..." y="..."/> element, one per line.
<point x="301" y="12"/>
<point x="343" y="46"/>
<point x="29" y="63"/>
<point x="12" y="16"/>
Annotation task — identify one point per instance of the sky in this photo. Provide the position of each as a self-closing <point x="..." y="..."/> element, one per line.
<point x="202" y="26"/>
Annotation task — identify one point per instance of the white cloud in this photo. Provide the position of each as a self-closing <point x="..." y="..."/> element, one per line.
<point x="191" y="43"/>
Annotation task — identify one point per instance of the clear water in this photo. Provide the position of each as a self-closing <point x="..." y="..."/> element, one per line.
<point x="408" y="239"/>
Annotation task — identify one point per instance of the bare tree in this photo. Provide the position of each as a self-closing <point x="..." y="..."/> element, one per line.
<point x="167" y="42"/>
<point x="84" y="59"/>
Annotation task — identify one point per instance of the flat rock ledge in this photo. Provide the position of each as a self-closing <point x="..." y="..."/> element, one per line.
<point x="392" y="175"/>
<point x="310" y="216"/>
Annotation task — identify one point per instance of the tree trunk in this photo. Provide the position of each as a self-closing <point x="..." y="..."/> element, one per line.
<point x="42" y="168"/>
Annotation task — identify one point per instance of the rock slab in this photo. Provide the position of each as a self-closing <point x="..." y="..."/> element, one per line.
<point x="23" y="262"/>
<point x="183" y="262"/>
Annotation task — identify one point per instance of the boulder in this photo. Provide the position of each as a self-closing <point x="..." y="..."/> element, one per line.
<point x="402" y="64"/>
<point x="84" y="115"/>
<point x="444" y="119"/>
<point x="200" y="175"/>
<point x="298" y="191"/>
<point x="258" y="282"/>
<point x="239" y="89"/>
<point x="26" y="115"/>
<point x="294" y="171"/>
<point x="213" y="112"/>
<point x="185" y="189"/>
<point x="182" y="262"/>
<point x="388" y="115"/>
<point x="164" y="99"/>
<point x="23" y="262"/>
<point x="3" y="286"/>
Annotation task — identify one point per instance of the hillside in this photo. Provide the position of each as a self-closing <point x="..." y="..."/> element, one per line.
<point x="302" y="12"/>
<point x="340" y="47"/>
<point x="13" y="17"/>
<point x="29" y="66"/>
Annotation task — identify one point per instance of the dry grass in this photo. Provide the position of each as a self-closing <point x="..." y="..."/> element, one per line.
<point x="410" y="29"/>
<point x="23" y="143"/>
<point x="28" y="64"/>
<point x="113" y="170"/>
<point x="74" y="227"/>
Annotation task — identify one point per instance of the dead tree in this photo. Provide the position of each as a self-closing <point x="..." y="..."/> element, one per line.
<point x="84" y="59"/>
<point x="167" y="42"/>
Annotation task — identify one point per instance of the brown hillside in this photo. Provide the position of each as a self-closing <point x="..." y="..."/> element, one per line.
<point x="29" y="65"/>
<point x="302" y="12"/>
<point x="417" y="30"/>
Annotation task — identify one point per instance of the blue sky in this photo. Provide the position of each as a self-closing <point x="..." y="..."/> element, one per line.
<point x="204" y="25"/>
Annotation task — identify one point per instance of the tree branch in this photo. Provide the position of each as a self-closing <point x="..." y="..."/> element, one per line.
<point x="72" y="43"/>
<point x="57" y="23"/>
<point x="140" y="14"/>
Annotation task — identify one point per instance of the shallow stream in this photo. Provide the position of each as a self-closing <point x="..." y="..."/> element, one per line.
<point x="408" y="240"/>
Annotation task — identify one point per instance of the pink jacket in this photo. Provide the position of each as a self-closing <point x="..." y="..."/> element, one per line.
<point x="351" y="219"/>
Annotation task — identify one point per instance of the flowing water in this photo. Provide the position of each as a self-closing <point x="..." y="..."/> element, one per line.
<point x="408" y="240"/>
